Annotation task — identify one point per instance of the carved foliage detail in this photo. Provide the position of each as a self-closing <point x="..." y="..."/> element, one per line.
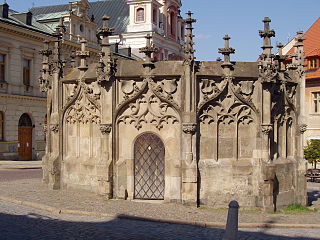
<point x="105" y="128"/>
<point x="148" y="108"/>
<point x="189" y="128"/>
<point x="227" y="110"/>
<point x="83" y="111"/>
<point x="303" y="128"/>
<point x="86" y="108"/>
<point x="54" y="128"/>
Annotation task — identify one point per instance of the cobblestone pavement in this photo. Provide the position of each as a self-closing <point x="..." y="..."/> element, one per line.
<point x="33" y="190"/>
<point x="24" y="223"/>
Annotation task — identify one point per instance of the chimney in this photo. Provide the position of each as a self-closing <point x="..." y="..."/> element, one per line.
<point x="4" y="10"/>
<point x="116" y="49"/>
<point x="25" y="17"/>
<point x="129" y="51"/>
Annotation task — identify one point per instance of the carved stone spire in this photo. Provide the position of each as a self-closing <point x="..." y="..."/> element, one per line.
<point x="107" y="64"/>
<point x="83" y="54"/>
<point x="298" y="49"/>
<point x="281" y="58"/>
<point x="72" y="59"/>
<point x="46" y="67"/>
<point x="188" y="47"/>
<point x="267" y="66"/>
<point x="266" y="34"/>
<point x="58" y="34"/>
<point x="226" y="51"/>
<point x="103" y="35"/>
<point x="148" y="50"/>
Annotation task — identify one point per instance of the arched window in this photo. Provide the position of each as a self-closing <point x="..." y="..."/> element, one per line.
<point x="172" y="23"/>
<point x="140" y="15"/>
<point x="1" y="126"/>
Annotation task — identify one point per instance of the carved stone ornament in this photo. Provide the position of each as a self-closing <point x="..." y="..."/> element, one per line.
<point x="149" y="109"/>
<point x="227" y="110"/>
<point x="85" y="110"/>
<point x="45" y="128"/>
<point x="44" y="84"/>
<point x="105" y="128"/>
<point x="303" y="128"/>
<point x="54" y="128"/>
<point x="189" y="128"/>
<point x="266" y="129"/>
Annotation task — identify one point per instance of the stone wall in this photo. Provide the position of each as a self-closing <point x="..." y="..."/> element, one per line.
<point x="217" y="131"/>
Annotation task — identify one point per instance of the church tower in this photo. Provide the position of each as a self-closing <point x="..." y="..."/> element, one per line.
<point x="162" y="21"/>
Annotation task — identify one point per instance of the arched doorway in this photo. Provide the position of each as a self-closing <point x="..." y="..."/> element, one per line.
<point x="25" y="137"/>
<point x="149" y="167"/>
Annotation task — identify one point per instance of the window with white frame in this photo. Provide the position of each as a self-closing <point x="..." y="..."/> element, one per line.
<point x="140" y="14"/>
<point x="316" y="102"/>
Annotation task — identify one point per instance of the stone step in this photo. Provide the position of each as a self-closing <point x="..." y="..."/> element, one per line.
<point x="9" y="156"/>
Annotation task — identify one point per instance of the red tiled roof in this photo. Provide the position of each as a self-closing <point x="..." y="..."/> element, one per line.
<point x="312" y="42"/>
<point x="313" y="53"/>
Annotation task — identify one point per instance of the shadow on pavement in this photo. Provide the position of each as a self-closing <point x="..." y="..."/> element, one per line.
<point x="34" y="226"/>
<point x="313" y="196"/>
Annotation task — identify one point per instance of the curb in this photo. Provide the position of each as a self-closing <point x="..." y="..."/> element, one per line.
<point x="12" y="168"/>
<point x="148" y="219"/>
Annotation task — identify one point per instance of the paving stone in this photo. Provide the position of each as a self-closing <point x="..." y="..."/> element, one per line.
<point x="20" y="222"/>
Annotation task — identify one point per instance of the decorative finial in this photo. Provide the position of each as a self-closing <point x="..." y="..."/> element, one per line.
<point x="106" y="30"/>
<point x="70" y="8"/>
<point x="60" y="29"/>
<point x="188" y="47"/>
<point x="299" y="39"/>
<point x="83" y="54"/>
<point x="299" y="51"/>
<point x="148" y="50"/>
<point x="44" y="79"/>
<point x="226" y="51"/>
<point x="103" y="35"/>
<point x="266" y="34"/>
<point x="73" y="60"/>
<point x="281" y="58"/>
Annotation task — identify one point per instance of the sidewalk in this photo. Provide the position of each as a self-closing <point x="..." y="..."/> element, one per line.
<point x="5" y="164"/>
<point x="33" y="193"/>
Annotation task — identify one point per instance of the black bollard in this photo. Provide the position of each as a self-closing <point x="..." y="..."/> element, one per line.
<point x="232" y="222"/>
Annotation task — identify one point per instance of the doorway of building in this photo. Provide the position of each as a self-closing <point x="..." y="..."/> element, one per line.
<point x="25" y="137"/>
<point x="149" y="167"/>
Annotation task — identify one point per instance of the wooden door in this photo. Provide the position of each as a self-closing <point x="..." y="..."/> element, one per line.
<point x="25" y="143"/>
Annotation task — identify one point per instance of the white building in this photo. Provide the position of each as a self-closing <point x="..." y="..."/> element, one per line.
<point x="132" y="20"/>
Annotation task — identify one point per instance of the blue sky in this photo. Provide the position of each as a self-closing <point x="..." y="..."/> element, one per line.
<point x="241" y="19"/>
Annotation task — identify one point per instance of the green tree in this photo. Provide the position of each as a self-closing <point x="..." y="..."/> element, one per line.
<point x="312" y="152"/>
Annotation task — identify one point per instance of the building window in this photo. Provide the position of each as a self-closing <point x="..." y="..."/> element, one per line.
<point x="26" y="72"/>
<point x="2" y="68"/>
<point x="172" y="22"/>
<point x="1" y="126"/>
<point x="313" y="63"/>
<point x="154" y="16"/>
<point x="81" y="28"/>
<point x="316" y="102"/>
<point x="140" y="15"/>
